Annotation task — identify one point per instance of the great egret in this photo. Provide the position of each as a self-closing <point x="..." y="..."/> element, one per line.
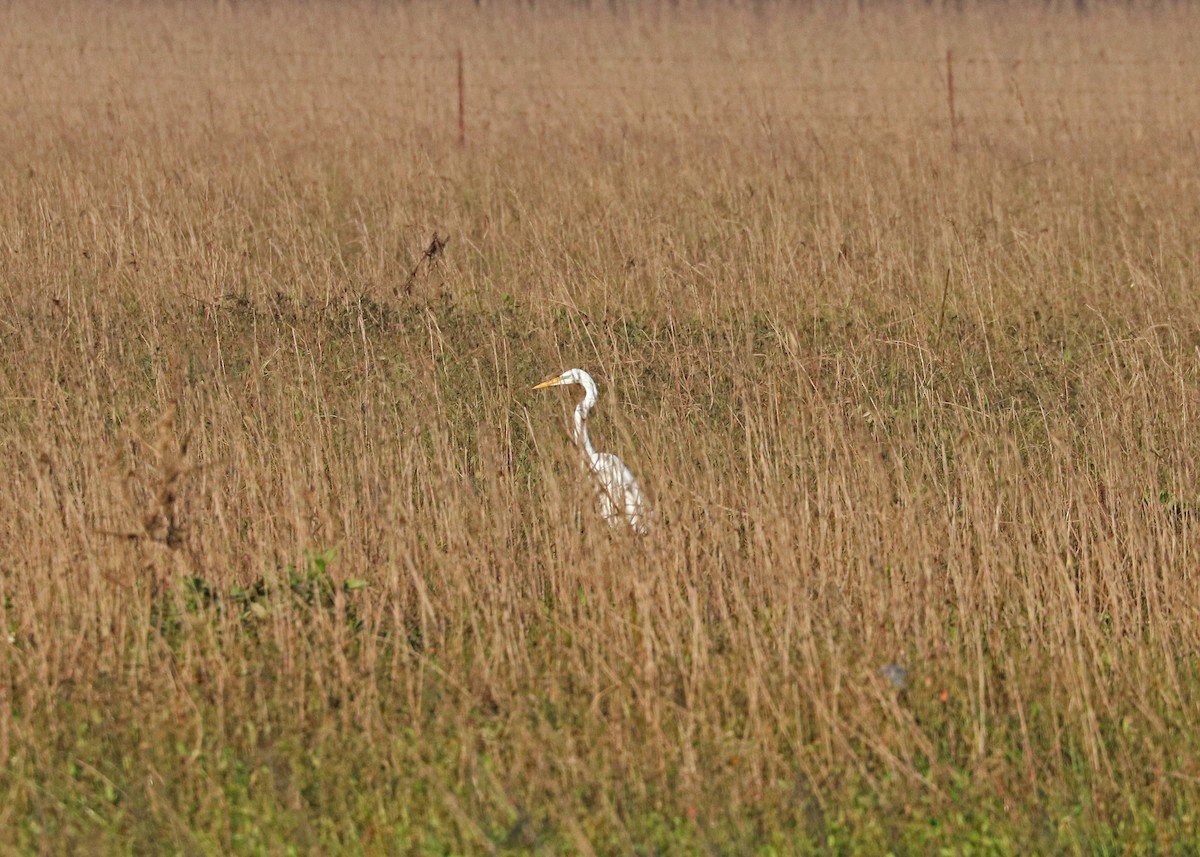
<point x="618" y="491"/>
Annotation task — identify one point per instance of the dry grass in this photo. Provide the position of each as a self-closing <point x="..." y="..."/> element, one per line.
<point x="295" y="558"/>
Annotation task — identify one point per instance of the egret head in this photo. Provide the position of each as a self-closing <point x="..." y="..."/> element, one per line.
<point x="571" y="376"/>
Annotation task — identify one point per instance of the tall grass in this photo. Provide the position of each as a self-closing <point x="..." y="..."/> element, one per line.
<point x="295" y="559"/>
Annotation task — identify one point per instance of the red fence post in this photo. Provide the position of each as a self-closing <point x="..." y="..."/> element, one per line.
<point x="462" y="122"/>
<point x="950" y="93"/>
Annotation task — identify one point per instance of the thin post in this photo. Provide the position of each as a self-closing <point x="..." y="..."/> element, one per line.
<point x="950" y="94"/>
<point x="462" y="121"/>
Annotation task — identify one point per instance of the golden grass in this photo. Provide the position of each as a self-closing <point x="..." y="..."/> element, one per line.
<point x="295" y="557"/>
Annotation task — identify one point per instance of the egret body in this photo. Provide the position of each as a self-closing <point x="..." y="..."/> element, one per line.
<point x="620" y="495"/>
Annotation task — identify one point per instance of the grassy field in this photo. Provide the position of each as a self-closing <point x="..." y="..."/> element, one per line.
<point x="294" y="560"/>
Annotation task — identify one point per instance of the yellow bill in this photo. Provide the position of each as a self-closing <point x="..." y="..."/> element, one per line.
<point x="551" y="383"/>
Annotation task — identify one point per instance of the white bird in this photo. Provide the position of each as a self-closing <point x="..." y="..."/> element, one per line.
<point x="618" y="491"/>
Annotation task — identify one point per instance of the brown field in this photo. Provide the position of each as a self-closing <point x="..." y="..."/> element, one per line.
<point x="296" y="562"/>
